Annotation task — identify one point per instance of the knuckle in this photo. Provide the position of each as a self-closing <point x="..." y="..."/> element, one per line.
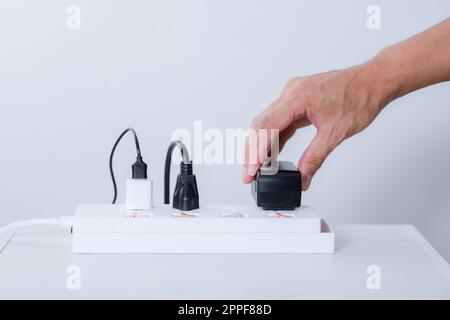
<point x="294" y="82"/>
<point x="291" y="83"/>
<point x="306" y="86"/>
<point x="300" y="88"/>
<point x="261" y="122"/>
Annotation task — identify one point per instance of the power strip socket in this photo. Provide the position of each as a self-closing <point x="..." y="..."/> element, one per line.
<point x="105" y="228"/>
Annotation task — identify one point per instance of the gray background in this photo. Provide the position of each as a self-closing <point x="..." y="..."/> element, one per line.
<point x="160" y="65"/>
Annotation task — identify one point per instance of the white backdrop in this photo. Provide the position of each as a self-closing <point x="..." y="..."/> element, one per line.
<point x="160" y="65"/>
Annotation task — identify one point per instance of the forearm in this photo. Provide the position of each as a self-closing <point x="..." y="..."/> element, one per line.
<point x="417" y="62"/>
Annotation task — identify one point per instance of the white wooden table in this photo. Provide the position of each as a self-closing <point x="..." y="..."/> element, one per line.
<point x="34" y="263"/>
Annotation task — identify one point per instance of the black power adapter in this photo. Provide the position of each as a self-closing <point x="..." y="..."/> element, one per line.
<point x="278" y="191"/>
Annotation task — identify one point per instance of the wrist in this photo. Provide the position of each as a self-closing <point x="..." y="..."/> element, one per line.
<point x="381" y="80"/>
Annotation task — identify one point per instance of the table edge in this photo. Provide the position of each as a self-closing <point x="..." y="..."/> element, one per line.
<point x="432" y="253"/>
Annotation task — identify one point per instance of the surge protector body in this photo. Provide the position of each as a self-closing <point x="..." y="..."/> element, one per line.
<point x="105" y="228"/>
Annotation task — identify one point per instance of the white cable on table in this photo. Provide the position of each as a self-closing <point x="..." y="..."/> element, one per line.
<point x="63" y="221"/>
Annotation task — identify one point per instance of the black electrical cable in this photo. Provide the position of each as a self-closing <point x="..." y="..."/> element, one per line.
<point x="139" y="157"/>
<point x="185" y="195"/>
<point x="167" y="172"/>
<point x="186" y="161"/>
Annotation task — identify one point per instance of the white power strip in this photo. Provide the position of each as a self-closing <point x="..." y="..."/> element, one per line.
<point x="105" y="228"/>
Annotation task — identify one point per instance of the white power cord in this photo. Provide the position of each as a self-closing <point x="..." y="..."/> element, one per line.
<point x="63" y="221"/>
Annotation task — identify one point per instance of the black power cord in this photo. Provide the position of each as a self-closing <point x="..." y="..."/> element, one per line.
<point x="185" y="196"/>
<point x="138" y="169"/>
<point x="185" y="156"/>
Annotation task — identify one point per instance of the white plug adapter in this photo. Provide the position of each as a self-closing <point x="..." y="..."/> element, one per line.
<point x="139" y="195"/>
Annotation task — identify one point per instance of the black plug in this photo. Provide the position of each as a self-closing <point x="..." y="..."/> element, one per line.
<point x="185" y="196"/>
<point x="139" y="169"/>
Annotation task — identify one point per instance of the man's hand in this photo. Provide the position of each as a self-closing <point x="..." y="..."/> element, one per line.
<point x="342" y="103"/>
<point x="338" y="103"/>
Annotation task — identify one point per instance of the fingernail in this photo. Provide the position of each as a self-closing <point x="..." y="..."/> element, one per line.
<point x="252" y="169"/>
<point x="306" y="181"/>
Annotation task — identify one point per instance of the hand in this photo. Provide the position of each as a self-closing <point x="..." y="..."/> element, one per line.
<point x="342" y="103"/>
<point x="338" y="103"/>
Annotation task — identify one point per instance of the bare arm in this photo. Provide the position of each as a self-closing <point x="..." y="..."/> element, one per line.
<point x="417" y="62"/>
<point x="342" y="103"/>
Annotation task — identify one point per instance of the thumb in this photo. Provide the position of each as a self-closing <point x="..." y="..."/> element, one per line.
<point x="314" y="156"/>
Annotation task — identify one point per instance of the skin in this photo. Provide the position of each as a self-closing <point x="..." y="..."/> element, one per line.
<point x="342" y="103"/>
